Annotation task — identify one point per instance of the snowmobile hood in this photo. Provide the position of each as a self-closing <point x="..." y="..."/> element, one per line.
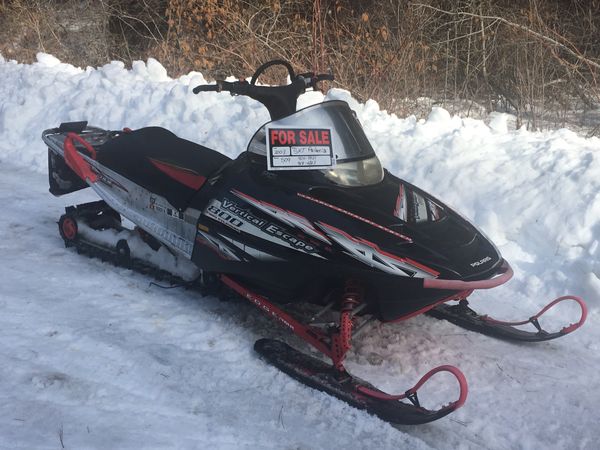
<point x="382" y="222"/>
<point x="395" y="220"/>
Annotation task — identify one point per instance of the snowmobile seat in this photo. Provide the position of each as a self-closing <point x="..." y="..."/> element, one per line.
<point x="161" y="162"/>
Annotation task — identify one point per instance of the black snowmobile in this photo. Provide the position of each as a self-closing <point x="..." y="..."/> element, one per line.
<point x="305" y="215"/>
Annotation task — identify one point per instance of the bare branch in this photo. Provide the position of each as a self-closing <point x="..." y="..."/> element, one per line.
<point x="518" y="26"/>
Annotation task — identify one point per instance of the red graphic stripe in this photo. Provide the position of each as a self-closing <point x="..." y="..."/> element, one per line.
<point x="399" y="201"/>
<point x="410" y="262"/>
<point x="304" y="220"/>
<point x="186" y="177"/>
<point x="355" y="216"/>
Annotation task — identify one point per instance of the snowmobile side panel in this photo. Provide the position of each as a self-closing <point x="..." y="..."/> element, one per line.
<point x="150" y="211"/>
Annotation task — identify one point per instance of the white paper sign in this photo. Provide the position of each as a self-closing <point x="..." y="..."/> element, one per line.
<point x="299" y="148"/>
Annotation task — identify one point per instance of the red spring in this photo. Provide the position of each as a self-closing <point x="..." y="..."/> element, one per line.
<point x="341" y="342"/>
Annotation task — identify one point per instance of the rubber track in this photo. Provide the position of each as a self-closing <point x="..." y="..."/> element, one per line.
<point x="94" y="250"/>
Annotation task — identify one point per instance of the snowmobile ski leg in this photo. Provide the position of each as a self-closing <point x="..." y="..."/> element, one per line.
<point x="463" y="316"/>
<point x="333" y="378"/>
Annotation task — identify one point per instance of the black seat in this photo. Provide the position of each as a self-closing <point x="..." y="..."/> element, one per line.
<point x="161" y="162"/>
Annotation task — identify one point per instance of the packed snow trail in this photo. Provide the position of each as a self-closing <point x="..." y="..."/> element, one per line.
<point x="92" y="350"/>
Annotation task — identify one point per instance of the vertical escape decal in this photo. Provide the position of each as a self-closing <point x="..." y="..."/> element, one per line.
<point x="230" y="213"/>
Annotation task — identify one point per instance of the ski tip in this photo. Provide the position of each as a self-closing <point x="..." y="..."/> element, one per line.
<point x="584" y="312"/>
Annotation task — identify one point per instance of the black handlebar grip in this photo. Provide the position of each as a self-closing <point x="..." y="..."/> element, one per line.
<point x="206" y="88"/>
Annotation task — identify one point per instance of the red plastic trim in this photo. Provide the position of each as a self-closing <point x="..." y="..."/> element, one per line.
<point x="460" y="377"/>
<point x="185" y="176"/>
<point x="74" y="159"/>
<point x="566" y="330"/>
<point x="311" y="335"/>
<point x="399" y="201"/>
<point x="502" y="277"/>
<point x="83" y="142"/>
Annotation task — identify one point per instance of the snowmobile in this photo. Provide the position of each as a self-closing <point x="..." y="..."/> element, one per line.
<point x="306" y="215"/>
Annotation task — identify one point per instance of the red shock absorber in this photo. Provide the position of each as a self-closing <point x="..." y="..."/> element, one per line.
<point x="341" y="341"/>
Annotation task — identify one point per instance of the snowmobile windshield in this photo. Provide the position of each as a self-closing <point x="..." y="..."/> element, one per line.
<point x="356" y="163"/>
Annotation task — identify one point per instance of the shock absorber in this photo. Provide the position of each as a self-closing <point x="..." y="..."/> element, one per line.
<point x="341" y="341"/>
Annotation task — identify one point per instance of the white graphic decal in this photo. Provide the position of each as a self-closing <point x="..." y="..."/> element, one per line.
<point x="216" y="245"/>
<point x="234" y="216"/>
<point x="289" y="217"/>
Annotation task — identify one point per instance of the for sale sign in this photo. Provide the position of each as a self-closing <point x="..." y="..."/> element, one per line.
<point x="299" y="148"/>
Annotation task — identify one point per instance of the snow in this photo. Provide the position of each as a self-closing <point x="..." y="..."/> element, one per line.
<point x="94" y="351"/>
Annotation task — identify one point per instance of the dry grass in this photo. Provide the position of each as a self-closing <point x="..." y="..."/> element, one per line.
<point x="535" y="58"/>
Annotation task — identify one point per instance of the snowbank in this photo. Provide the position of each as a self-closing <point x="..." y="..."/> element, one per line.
<point x="534" y="193"/>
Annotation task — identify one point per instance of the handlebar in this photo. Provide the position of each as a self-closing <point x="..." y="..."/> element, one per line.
<point x="243" y="87"/>
<point x="279" y="100"/>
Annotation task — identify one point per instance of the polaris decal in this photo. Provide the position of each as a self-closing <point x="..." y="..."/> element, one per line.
<point x="231" y="214"/>
<point x="299" y="148"/>
<point x="481" y="261"/>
